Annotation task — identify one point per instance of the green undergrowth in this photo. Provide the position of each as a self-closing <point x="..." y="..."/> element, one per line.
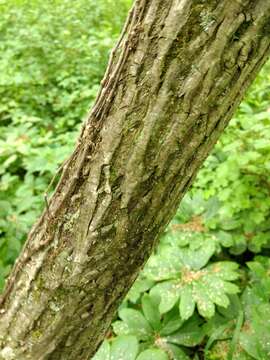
<point x="53" y="55"/>
<point x="204" y="293"/>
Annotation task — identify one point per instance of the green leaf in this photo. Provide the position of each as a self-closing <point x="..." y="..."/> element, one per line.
<point x="151" y="311"/>
<point x="198" y="258"/>
<point x="164" y="265"/>
<point x="218" y="333"/>
<point x="120" y="328"/>
<point x="103" y="352"/>
<point x="153" y="354"/>
<point x="178" y="353"/>
<point x="205" y="306"/>
<point x="169" y="292"/>
<point x="190" y="334"/>
<point x="187" y="303"/>
<point x="140" y="286"/>
<point x="171" y="323"/>
<point x="225" y="238"/>
<point x="231" y="288"/>
<point x="124" y="347"/>
<point x="136" y="323"/>
<point x="215" y="290"/>
<point x="255" y="334"/>
<point x="250" y="345"/>
<point x="225" y="270"/>
<point x="231" y="312"/>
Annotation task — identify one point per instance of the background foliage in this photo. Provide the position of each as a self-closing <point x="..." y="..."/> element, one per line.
<point x="204" y="293"/>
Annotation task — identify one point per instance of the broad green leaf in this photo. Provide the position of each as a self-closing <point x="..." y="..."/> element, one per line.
<point x="164" y="265"/>
<point x="151" y="311"/>
<point x="140" y="286"/>
<point x="103" y="352"/>
<point x="225" y="238"/>
<point x="136" y="323"/>
<point x="232" y="311"/>
<point x="250" y="345"/>
<point x="197" y="259"/>
<point x="226" y="270"/>
<point x="230" y="223"/>
<point x="168" y="292"/>
<point x="205" y="306"/>
<point x="231" y="288"/>
<point x="190" y="334"/>
<point x="178" y="353"/>
<point x="218" y="333"/>
<point x="153" y="354"/>
<point x="257" y="268"/>
<point x="124" y="347"/>
<point x="255" y="334"/>
<point x="216" y="291"/>
<point x="120" y="328"/>
<point x="187" y="303"/>
<point x="171" y="325"/>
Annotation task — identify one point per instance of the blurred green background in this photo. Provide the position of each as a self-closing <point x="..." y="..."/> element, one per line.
<point x="205" y="293"/>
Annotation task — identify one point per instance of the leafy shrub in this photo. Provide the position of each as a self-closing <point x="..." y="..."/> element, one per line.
<point x="237" y="174"/>
<point x="53" y="56"/>
<point x="204" y="294"/>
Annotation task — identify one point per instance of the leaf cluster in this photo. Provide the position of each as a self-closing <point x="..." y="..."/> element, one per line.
<point x="204" y="293"/>
<point x="53" y="55"/>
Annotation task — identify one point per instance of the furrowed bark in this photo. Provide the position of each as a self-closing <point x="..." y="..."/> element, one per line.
<point x="176" y="77"/>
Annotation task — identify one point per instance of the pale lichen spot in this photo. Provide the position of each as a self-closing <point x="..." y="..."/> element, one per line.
<point x="54" y="307"/>
<point x="7" y="353"/>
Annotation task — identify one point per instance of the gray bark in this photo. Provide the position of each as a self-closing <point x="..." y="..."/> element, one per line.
<point x="179" y="72"/>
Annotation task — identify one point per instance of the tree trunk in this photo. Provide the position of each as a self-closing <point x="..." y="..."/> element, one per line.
<point x="177" y="75"/>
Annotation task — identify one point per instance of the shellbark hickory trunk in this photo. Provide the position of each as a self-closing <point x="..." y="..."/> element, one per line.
<point x="174" y="80"/>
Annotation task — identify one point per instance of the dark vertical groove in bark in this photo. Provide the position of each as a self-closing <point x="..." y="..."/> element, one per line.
<point x="172" y="85"/>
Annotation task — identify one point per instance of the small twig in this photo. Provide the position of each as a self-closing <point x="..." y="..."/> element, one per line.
<point x="46" y="194"/>
<point x="46" y="201"/>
